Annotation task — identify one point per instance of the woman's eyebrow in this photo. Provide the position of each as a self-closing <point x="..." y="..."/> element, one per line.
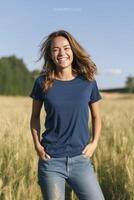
<point x="63" y="46"/>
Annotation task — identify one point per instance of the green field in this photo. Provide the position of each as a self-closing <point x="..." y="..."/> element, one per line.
<point x="113" y="159"/>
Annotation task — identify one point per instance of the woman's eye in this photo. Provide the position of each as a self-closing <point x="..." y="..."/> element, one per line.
<point x="67" y="48"/>
<point x="54" y="50"/>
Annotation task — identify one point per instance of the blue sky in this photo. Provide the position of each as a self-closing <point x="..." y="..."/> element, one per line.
<point x="104" y="28"/>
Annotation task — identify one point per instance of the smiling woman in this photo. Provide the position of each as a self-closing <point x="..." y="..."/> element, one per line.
<point x="61" y="52"/>
<point x="67" y="88"/>
<point x="81" y="62"/>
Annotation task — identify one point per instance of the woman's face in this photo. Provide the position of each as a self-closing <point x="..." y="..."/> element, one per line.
<point x="61" y="52"/>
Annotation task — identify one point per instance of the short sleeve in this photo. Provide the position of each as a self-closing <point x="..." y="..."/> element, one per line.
<point x="37" y="92"/>
<point x="95" y="95"/>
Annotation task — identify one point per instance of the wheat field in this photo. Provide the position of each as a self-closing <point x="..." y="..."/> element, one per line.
<point x="113" y="159"/>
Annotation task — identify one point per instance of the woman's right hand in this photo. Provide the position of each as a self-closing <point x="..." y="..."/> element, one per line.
<point x="41" y="152"/>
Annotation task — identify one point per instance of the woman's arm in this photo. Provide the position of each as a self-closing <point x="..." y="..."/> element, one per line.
<point x="35" y="128"/>
<point x="96" y="129"/>
<point x="96" y="122"/>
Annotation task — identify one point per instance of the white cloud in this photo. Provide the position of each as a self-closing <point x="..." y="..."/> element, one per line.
<point x="114" y="71"/>
<point x="67" y="9"/>
<point x="111" y="71"/>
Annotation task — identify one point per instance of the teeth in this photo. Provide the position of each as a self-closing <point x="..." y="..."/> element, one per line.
<point x="62" y="59"/>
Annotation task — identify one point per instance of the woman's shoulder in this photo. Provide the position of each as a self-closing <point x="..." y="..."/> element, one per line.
<point x="39" y="80"/>
<point x="41" y="77"/>
<point x="91" y="81"/>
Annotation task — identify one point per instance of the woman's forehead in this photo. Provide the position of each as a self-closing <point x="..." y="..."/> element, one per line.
<point x="59" y="41"/>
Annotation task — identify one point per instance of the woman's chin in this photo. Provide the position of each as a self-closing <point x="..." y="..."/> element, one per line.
<point x="62" y="66"/>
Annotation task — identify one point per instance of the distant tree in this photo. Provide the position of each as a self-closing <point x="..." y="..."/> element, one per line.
<point x="130" y="84"/>
<point x="15" y="78"/>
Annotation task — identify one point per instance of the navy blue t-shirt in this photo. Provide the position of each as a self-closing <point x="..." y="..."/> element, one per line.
<point x="67" y="114"/>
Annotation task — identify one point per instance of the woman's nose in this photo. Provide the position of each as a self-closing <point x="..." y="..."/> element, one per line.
<point x="61" y="52"/>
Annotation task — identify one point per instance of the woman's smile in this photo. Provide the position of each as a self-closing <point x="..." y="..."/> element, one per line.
<point x="61" y="52"/>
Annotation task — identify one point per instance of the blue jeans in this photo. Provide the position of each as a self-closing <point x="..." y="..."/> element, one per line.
<point x="77" y="171"/>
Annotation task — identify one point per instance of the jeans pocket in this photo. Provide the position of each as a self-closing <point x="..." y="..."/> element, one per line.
<point x="85" y="157"/>
<point x="45" y="159"/>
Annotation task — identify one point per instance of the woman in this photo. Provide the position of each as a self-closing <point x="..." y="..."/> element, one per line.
<point x="67" y="88"/>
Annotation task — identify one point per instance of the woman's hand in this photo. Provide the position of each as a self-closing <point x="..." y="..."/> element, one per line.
<point x="41" y="152"/>
<point x="89" y="149"/>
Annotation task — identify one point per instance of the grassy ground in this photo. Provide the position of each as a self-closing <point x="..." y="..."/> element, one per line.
<point x="113" y="159"/>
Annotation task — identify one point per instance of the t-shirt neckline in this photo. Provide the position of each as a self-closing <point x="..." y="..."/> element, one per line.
<point x="66" y="81"/>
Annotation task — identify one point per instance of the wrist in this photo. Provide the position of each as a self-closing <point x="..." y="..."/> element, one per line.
<point x="95" y="142"/>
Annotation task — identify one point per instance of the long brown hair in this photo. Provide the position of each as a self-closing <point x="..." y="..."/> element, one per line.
<point x="82" y="63"/>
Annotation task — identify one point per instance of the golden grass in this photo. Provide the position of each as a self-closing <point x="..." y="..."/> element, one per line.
<point x="113" y="159"/>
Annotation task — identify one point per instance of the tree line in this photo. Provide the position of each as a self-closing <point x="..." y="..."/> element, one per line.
<point x="16" y="79"/>
<point x="130" y="84"/>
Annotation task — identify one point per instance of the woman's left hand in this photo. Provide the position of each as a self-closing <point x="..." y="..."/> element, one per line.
<point x="89" y="149"/>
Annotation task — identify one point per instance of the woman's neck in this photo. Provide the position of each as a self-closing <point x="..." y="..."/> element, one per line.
<point x="66" y="76"/>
